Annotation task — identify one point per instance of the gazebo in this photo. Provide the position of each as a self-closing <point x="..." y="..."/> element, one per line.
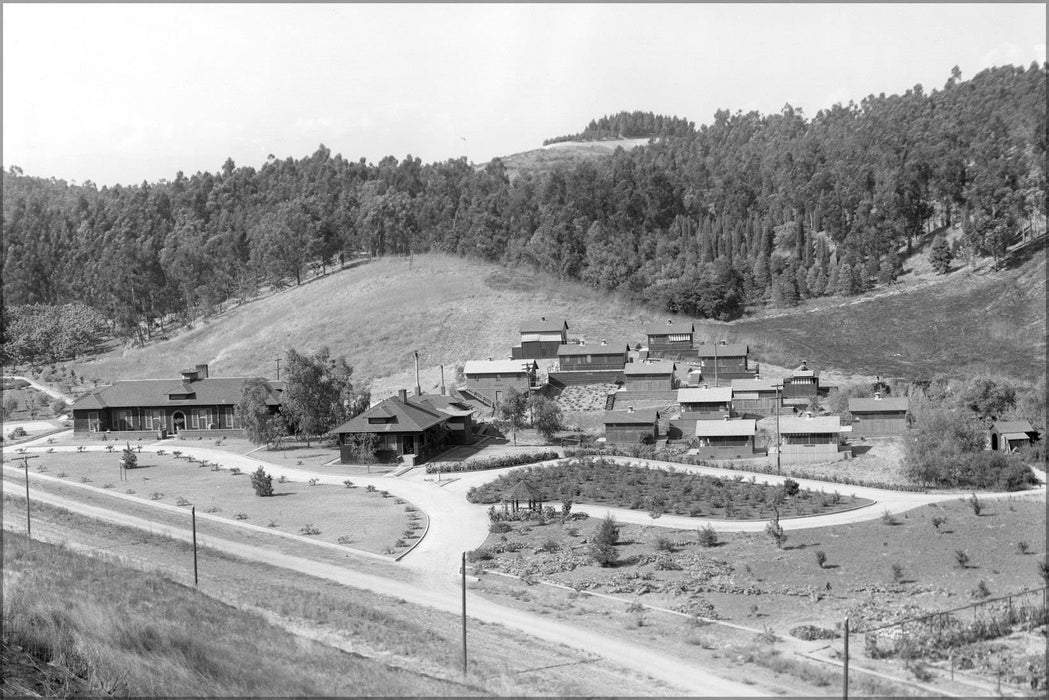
<point x="522" y="491"/>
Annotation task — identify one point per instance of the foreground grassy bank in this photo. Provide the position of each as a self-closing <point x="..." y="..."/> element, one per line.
<point x="125" y="632"/>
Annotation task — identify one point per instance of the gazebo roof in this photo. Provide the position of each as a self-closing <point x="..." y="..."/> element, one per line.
<point x="522" y="491"/>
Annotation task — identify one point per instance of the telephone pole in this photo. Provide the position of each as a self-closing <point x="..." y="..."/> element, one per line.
<point x="28" y="520"/>
<point x="278" y="369"/>
<point x="464" y="612"/>
<point x="779" y="446"/>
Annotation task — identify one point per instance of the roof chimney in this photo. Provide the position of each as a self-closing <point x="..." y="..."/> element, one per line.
<point x="808" y="415"/>
<point x="202" y="371"/>
<point x="604" y="342"/>
<point x="402" y="395"/>
<point x="670" y="321"/>
<point x="629" y="409"/>
<point x="489" y="359"/>
<point x="542" y="318"/>
<point x="582" y="342"/>
<point x="418" y="387"/>
<point x="877" y="396"/>
<point x="444" y="391"/>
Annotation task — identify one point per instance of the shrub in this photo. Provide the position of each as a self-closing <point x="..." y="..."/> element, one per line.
<point x="499" y="528"/>
<point x="663" y="544"/>
<point x="888" y="518"/>
<point x="603" y="547"/>
<point x="550" y="545"/>
<point x="128" y="458"/>
<point x="981" y="590"/>
<point x="774" y="530"/>
<point x="18" y="432"/>
<point x="1023" y="547"/>
<point x="492" y="462"/>
<point x="938" y="521"/>
<point x="314" y="482"/>
<point x="897" y="572"/>
<point x="241" y="516"/>
<point x="272" y="523"/>
<point x="811" y="633"/>
<point x="156" y="496"/>
<point x="180" y="501"/>
<point x="262" y="482"/>
<point x="234" y="471"/>
<point x="479" y="554"/>
<point x="369" y="488"/>
<point x="708" y="536"/>
<point x="308" y="529"/>
<point x="821" y="557"/>
<point x="961" y="558"/>
<point x="1043" y="570"/>
<point x="975" y="504"/>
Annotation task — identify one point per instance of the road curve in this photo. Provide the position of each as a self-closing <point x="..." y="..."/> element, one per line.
<point x="680" y="675"/>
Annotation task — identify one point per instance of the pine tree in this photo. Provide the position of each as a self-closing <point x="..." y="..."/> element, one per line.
<point x="129" y="459"/>
<point x="940" y="256"/>
<point x="603" y="547"/>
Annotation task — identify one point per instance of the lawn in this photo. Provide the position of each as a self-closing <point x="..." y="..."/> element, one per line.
<point x="75" y="625"/>
<point x="873" y="572"/>
<point x="29" y="404"/>
<point x="355" y="517"/>
<point x="606" y="482"/>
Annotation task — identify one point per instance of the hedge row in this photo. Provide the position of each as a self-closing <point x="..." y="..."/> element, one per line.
<point x="491" y="463"/>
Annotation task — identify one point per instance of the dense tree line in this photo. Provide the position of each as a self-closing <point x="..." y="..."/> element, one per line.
<point x="630" y="125"/>
<point x="749" y="210"/>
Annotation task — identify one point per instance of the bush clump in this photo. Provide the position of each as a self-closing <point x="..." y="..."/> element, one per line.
<point x="492" y="462"/>
<point x="262" y="482"/>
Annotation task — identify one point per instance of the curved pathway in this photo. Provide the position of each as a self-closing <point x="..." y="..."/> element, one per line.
<point x="53" y="393"/>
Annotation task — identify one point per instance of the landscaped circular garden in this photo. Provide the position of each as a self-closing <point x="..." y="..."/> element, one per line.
<point x="607" y="482"/>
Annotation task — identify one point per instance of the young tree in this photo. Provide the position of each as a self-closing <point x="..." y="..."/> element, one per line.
<point x="512" y="410"/>
<point x="254" y="412"/>
<point x="603" y="547"/>
<point x="319" y="394"/>
<point x="940" y="256"/>
<point x="546" y="416"/>
<point x="262" y="482"/>
<point x="128" y="458"/>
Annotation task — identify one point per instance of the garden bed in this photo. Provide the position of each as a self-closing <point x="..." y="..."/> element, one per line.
<point x="606" y="482"/>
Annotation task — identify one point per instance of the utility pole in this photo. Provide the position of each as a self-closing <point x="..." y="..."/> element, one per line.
<point x="193" y="513"/>
<point x="845" y="681"/>
<point x="278" y="369"/>
<point x="464" y="612"/>
<point x="716" y="363"/>
<point x="28" y="520"/>
<point x="779" y="447"/>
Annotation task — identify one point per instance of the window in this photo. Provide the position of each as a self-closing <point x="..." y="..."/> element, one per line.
<point x="92" y="421"/>
<point x="227" y="417"/>
<point x="679" y="338"/>
<point x="194" y="418"/>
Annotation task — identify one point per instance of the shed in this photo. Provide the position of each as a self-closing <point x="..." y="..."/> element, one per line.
<point x="491" y="379"/>
<point x="725" y="439"/>
<point x="1009" y="436"/>
<point x="650" y="375"/>
<point x="631" y="427"/>
<point x="802" y="383"/>
<point x="540" y="338"/>
<point x="576" y="357"/>
<point x="670" y="340"/>
<point x="705" y="403"/>
<point x="722" y="362"/>
<point x="878" y="416"/>
<point x="759" y="396"/>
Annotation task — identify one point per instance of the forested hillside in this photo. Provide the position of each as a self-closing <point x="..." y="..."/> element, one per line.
<point x="630" y="125"/>
<point x="749" y="210"/>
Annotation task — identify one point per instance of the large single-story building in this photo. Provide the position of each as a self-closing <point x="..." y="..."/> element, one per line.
<point x="649" y="375"/>
<point x="631" y="427"/>
<point x="879" y="417"/>
<point x="670" y="340"/>
<point x="192" y="404"/>
<point x="540" y="338"/>
<point x="583" y="357"/>
<point x="410" y="428"/>
<point x="722" y="362"/>
<point x="1008" y="436"/>
<point x="491" y="379"/>
<point x="758" y="396"/>
<point x="810" y="439"/>
<point x="705" y="403"/>
<point x="803" y="383"/>
<point x="725" y="439"/>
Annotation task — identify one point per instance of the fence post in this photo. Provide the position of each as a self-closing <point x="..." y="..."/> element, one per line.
<point x="845" y="679"/>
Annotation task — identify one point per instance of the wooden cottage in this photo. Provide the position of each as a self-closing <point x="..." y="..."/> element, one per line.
<point x="810" y="439"/>
<point x="461" y="415"/>
<point x="803" y="383"/>
<point x="631" y="427"/>
<point x="1009" y="436"/>
<point x="722" y="362"/>
<point x="404" y="429"/>
<point x="670" y="340"/>
<point x="757" y="396"/>
<point x="705" y="403"/>
<point x="878" y="416"/>
<point x="540" y="339"/>
<point x="725" y="439"/>
<point x="491" y="379"/>
<point x="649" y="375"/>
<point x="195" y="403"/>
<point x="584" y="357"/>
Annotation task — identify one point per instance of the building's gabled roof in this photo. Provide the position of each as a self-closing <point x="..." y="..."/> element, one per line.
<point x="803" y="370"/>
<point x="889" y="403"/>
<point x="726" y="428"/>
<point x="475" y="367"/>
<point x="644" y="416"/>
<point x="398" y="417"/>
<point x="443" y="404"/>
<point x="636" y="369"/>
<point x="522" y="491"/>
<point x="592" y="349"/>
<point x="664" y="328"/>
<point x="156" y="393"/>
<point x="544" y="325"/>
<point x="754" y="384"/>
<point x="1013" y="426"/>
<point x="704" y="395"/>
<point x="816" y="424"/>
<point x="711" y="350"/>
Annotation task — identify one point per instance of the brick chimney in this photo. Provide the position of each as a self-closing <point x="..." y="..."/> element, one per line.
<point x="202" y="371"/>
<point x="402" y="395"/>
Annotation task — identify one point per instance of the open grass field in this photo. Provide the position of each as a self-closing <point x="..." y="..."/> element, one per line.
<point x="75" y="625"/>
<point x="503" y="662"/>
<point x="967" y="322"/>
<point x="353" y="517"/>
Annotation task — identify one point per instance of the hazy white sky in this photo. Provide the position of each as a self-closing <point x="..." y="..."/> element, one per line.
<point x="122" y="92"/>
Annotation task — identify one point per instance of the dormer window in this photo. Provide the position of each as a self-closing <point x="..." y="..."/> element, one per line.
<point x="378" y="420"/>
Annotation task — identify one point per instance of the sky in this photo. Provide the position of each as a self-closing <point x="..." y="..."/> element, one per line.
<point x="121" y="93"/>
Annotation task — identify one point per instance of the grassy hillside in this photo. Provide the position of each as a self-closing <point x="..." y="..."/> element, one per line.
<point x="452" y="310"/>
<point x="565" y="154"/>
